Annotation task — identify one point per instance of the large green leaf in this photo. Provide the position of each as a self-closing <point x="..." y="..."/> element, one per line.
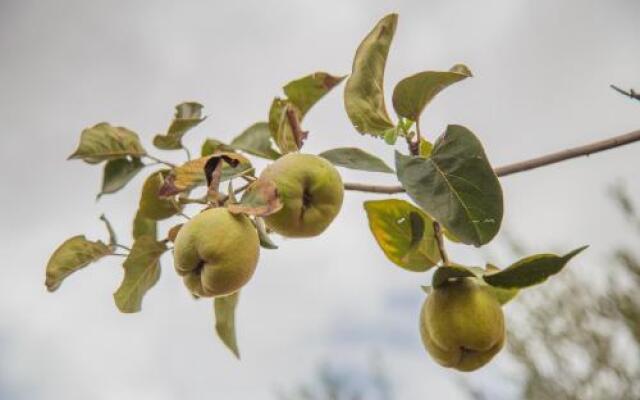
<point x="504" y="295"/>
<point x="70" y="256"/>
<point x="364" y="93"/>
<point x="404" y="233"/>
<point x="355" y="158"/>
<point x="118" y="172"/>
<point x="143" y="226"/>
<point x="280" y="125"/>
<point x="191" y="174"/>
<point x="225" y="315"/>
<point x="306" y="91"/>
<point x="141" y="272"/>
<point x="187" y="116"/>
<point x="105" y="142"/>
<point x="455" y="185"/>
<point x="530" y="270"/>
<point x="411" y="95"/>
<point x="256" y="140"/>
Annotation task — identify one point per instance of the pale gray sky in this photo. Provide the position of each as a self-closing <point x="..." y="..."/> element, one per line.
<point x="542" y="70"/>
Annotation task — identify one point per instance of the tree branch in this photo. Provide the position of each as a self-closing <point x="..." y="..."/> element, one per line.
<point x="631" y="93"/>
<point x="526" y="165"/>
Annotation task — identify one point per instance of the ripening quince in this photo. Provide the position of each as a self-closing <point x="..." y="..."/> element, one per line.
<point x="216" y="252"/>
<point x="462" y="325"/>
<point x="311" y="192"/>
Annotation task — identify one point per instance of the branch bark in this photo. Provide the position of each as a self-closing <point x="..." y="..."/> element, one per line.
<point x="526" y="165"/>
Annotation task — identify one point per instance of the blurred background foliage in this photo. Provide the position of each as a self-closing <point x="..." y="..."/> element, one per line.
<point x="574" y="337"/>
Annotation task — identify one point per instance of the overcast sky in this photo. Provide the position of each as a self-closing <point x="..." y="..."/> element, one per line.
<point x="541" y="75"/>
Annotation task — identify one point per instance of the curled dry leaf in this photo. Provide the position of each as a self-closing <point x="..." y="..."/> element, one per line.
<point x="260" y="199"/>
<point x="192" y="174"/>
<point x="72" y="255"/>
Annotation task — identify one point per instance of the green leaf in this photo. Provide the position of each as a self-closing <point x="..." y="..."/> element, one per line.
<point x="72" y="255"/>
<point x="391" y="136"/>
<point x="443" y="274"/>
<point x="504" y="295"/>
<point x="191" y="174"/>
<point x="364" y="93"/>
<point x="211" y="146"/>
<point x="411" y="95"/>
<point x="280" y="126"/>
<point x="225" y="313"/>
<point x="531" y="270"/>
<point x="256" y="140"/>
<point x="426" y="147"/>
<point x="187" y="116"/>
<point x="118" y="172"/>
<point x="143" y="226"/>
<point x="392" y="223"/>
<point x="105" y="142"/>
<point x="355" y="158"/>
<point x="141" y="272"/>
<point x="113" y="240"/>
<point x="306" y="91"/>
<point x="152" y="205"/>
<point x="455" y="185"/>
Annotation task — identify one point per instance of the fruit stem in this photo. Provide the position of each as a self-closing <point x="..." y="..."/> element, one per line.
<point x="437" y="232"/>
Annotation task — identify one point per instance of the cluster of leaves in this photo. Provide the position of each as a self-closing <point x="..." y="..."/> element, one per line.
<point x="165" y="192"/>
<point x="451" y="182"/>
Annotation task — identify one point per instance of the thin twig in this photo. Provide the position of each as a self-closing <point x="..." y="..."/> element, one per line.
<point x="526" y="165"/>
<point x="631" y="93"/>
<point x="437" y="232"/>
<point x="167" y="163"/>
<point x="188" y="200"/>
<point x="180" y="213"/>
<point x="224" y="198"/>
<point x="122" y="247"/>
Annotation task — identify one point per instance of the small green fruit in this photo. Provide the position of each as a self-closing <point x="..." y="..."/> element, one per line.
<point x="216" y="252"/>
<point x="462" y="325"/>
<point x="311" y="192"/>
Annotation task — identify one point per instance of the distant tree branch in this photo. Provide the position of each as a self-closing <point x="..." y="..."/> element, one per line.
<point x="526" y="165"/>
<point x="631" y="93"/>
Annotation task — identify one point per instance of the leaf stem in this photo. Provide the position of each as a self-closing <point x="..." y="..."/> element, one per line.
<point x="186" y="150"/>
<point x="437" y="232"/>
<point x="552" y="158"/>
<point x="167" y="163"/>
